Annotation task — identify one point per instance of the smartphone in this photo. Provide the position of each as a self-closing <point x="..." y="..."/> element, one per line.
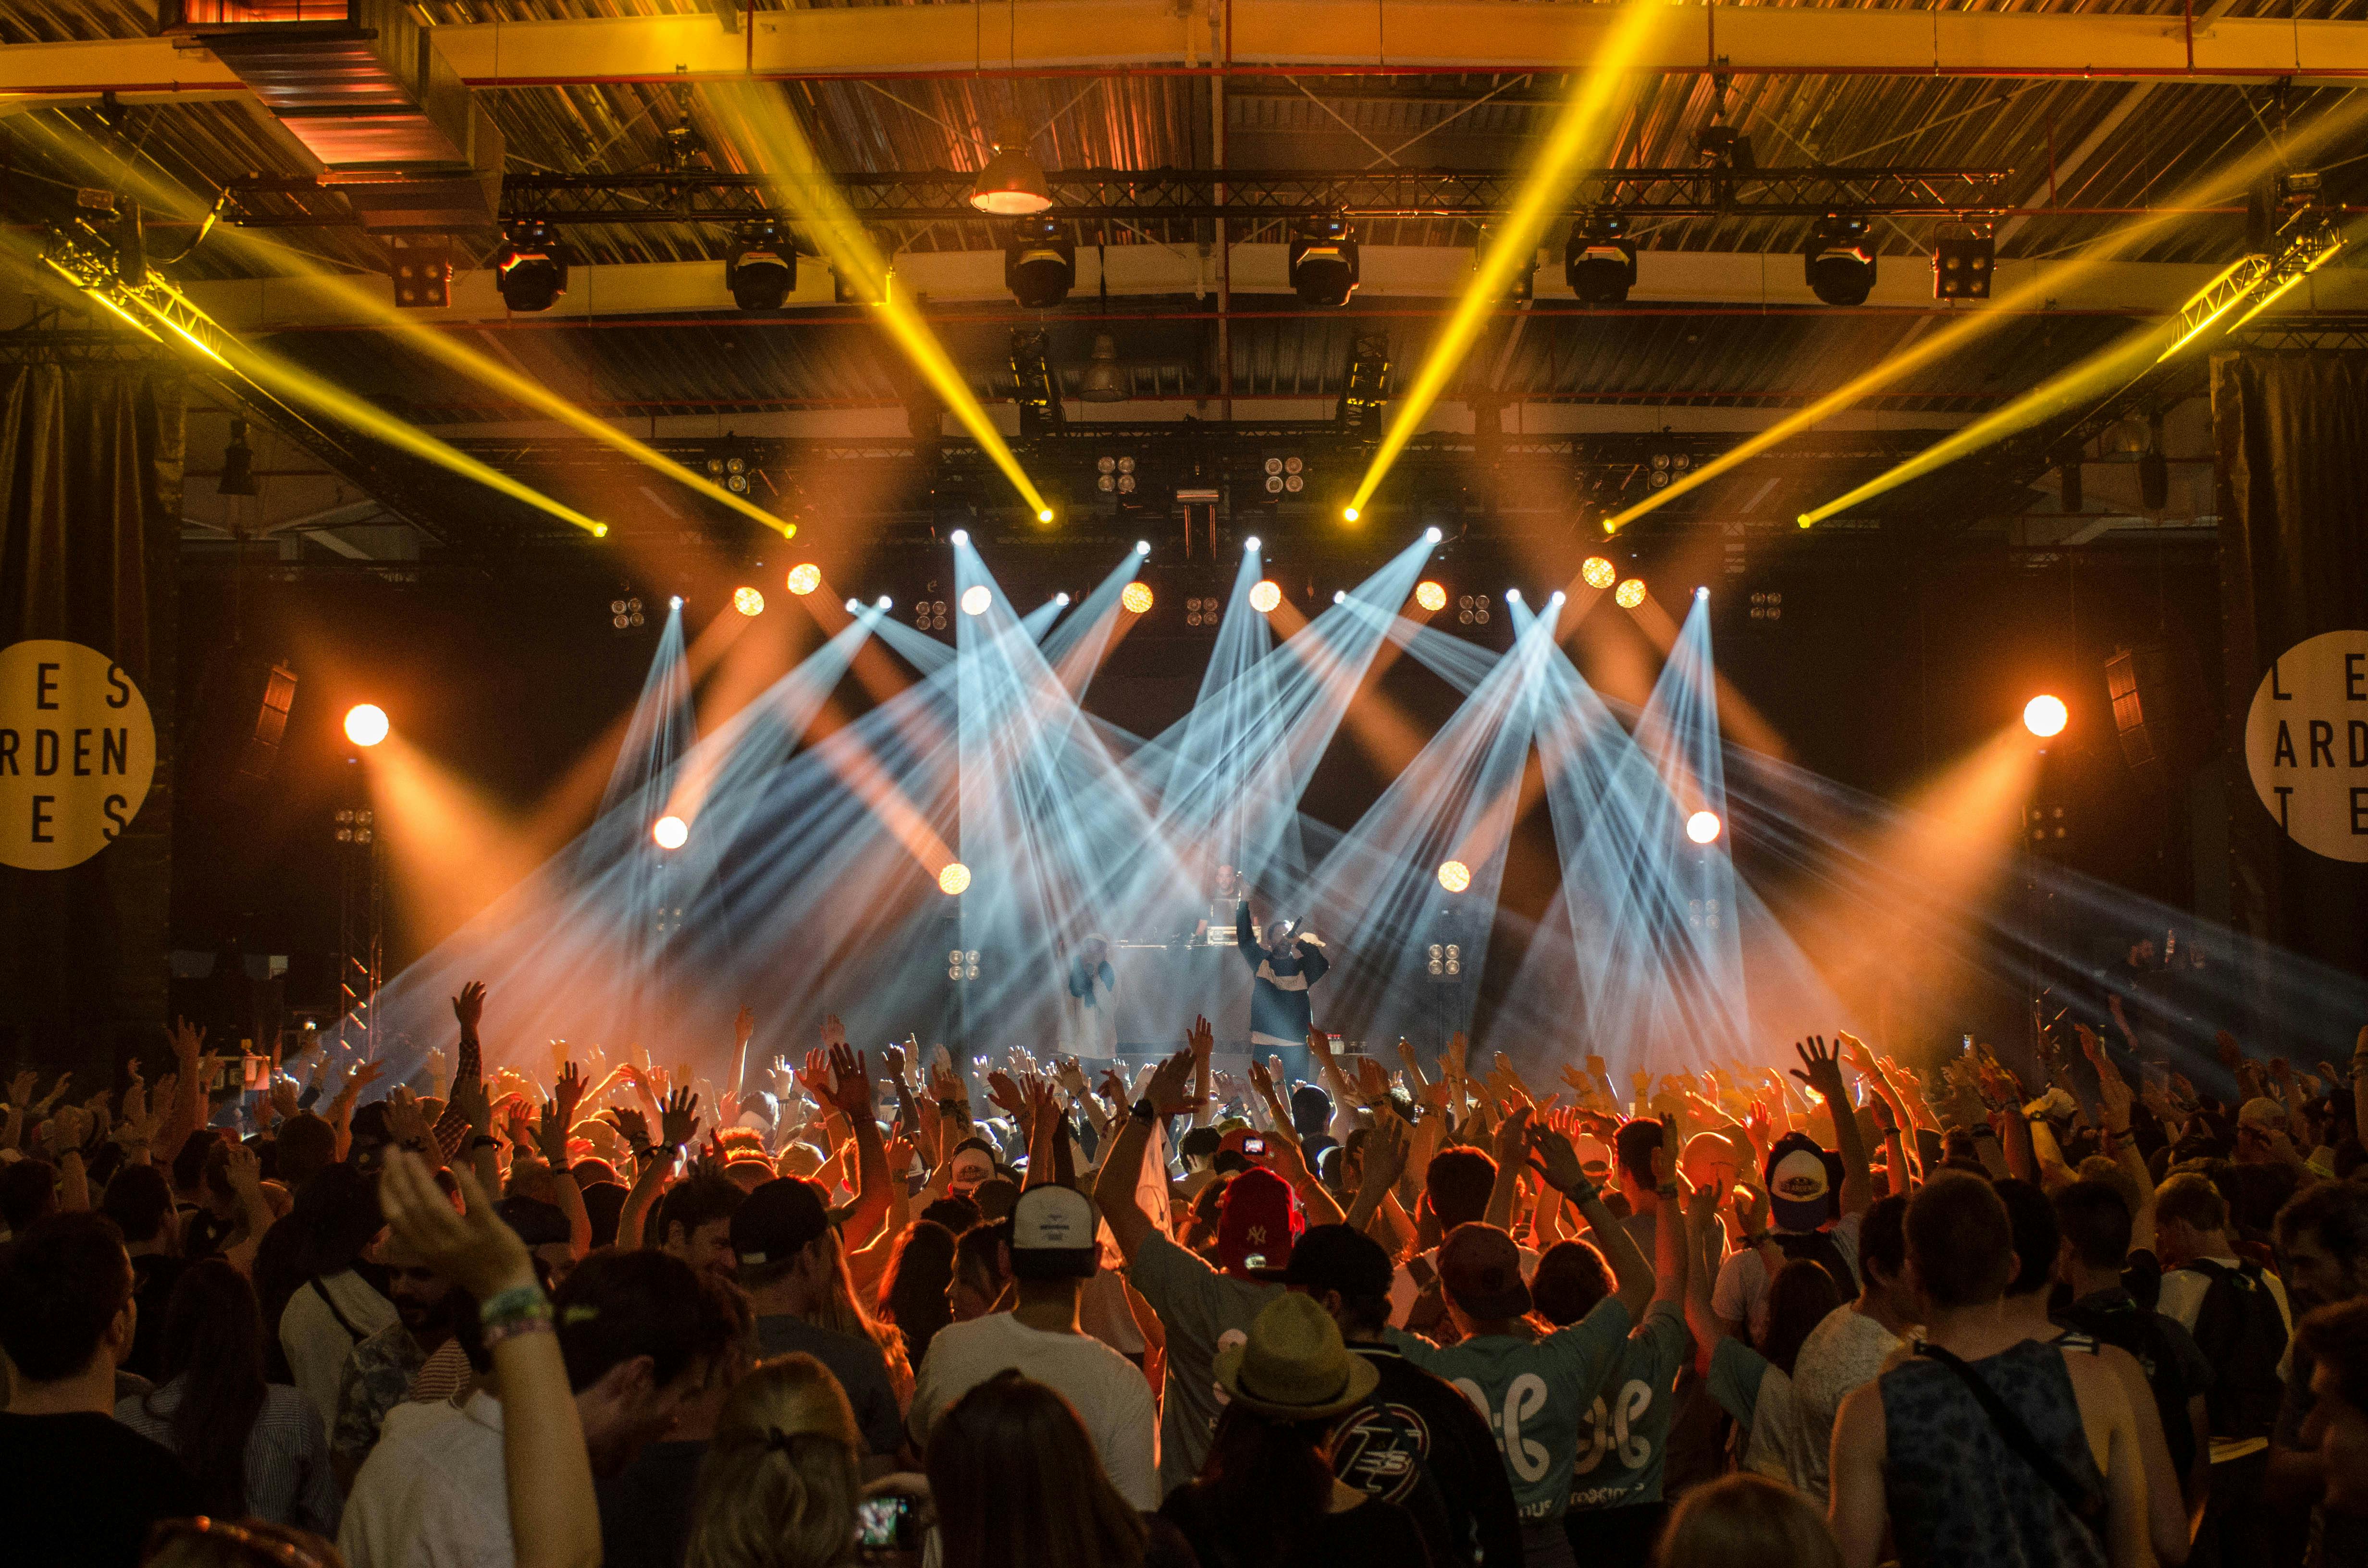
<point x="1254" y="1147"/>
<point x="1966" y="1044"/>
<point x="884" y="1522"/>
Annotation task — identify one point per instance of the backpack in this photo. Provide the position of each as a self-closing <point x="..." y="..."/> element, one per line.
<point x="1818" y="1246"/>
<point x="2243" y="1334"/>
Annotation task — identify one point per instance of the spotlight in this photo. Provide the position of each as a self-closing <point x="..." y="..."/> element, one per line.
<point x="531" y="268"/>
<point x="1599" y="261"/>
<point x="1962" y="264"/>
<point x="1432" y="536"/>
<point x="953" y="879"/>
<point x="804" y="578"/>
<point x="1060" y="599"/>
<point x="1701" y="592"/>
<point x="761" y="269"/>
<point x="670" y="833"/>
<point x="976" y="599"/>
<point x="1012" y="184"/>
<point x="1136" y="597"/>
<point x="1599" y="572"/>
<point x="1454" y="876"/>
<point x="1043" y="513"/>
<point x="366" y="724"/>
<point x="1703" y="828"/>
<point x="1249" y="545"/>
<point x="1512" y="595"/>
<point x="1555" y="597"/>
<point x="1266" y="597"/>
<point x="854" y="607"/>
<point x="1347" y="514"/>
<point x="1142" y="547"/>
<point x="1838" y="263"/>
<point x="1430" y="595"/>
<point x="884" y="602"/>
<point x="1039" y="266"/>
<point x="1630" y="594"/>
<point x="2043" y="716"/>
<point x="1340" y="596"/>
<point x="1323" y="262"/>
<point x="960" y="536"/>
<point x="674" y="602"/>
<point x="747" y="601"/>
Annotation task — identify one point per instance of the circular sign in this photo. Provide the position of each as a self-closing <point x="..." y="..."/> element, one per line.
<point x="77" y="754"/>
<point x="2306" y="744"/>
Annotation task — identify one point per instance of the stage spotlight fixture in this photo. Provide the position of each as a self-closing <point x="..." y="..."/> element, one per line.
<point x="1060" y="599"/>
<point x="674" y="602"/>
<point x="1701" y="592"/>
<point x="1265" y="596"/>
<point x="1630" y="594"/>
<point x="1285" y="475"/>
<point x="761" y="269"/>
<point x="1431" y="536"/>
<point x="960" y="536"/>
<point x="625" y="614"/>
<point x="670" y="833"/>
<point x="1702" y="827"/>
<point x="1347" y="514"/>
<point x="804" y="578"/>
<point x="854" y="607"/>
<point x="1430" y="596"/>
<point x="1838" y="262"/>
<point x="1323" y="262"/>
<point x="749" y="601"/>
<point x="976" y="599"/>
<point x="1962" y="263"/>
<point x="1340" y="596"/>
<point x="1454" y="876"/>
<point x="1599" y="261"/>
<point x="1043" y="513"/>
<point x="531" y="268"/>
<point x="1012" y="184"/>
<point x="1249" y="545"/>
<point x="1040" y="267"/>
<point x="1114" y="476"/>
<point x="954" y="879"/>
<point x="2045" y="716"/>
<point x="1136" y="597"/>
<point x="1142" y="547"/>
<point x="1598" y="572"/>
<point x="884" y="602"/>
<point x="1512" y="595"/>
<point x="366" y="724"/>
<point x="1555" y="598"/>
<point x="1472" y="610"/>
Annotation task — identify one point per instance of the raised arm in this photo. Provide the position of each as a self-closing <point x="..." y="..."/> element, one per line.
<point x="851" y="1093"/>
<point x="1114" y="1189"/>
<point x="453" y="1131"/>
<point x="1558" y="1162"/>
<point x="1821" y="1069"/>
<point x="1512" y="1142"/>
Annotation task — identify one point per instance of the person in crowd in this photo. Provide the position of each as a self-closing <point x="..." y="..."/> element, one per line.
<point x="1285" y="961"/>
<point x="1745" y="1519"/>
<point x="1817" y="1202"/>
<point x="1984" y="1447"/>
<point x="419" y="1356"/>
<point x="646" y="1508"/>
<point x="2238" y="1313"/>
<point x="76" y="1485"/>
<point x="336" y="1306"/>
<point x="981" y="1273"/>
<point x="919" y="1276"/>
<point x="782" y="1477"/>
<point x="2335" y="1431"/>
<point x="1267" y="1495"/>
<point x="1018" y="1483"/>
<point x="1455" y="1190"/>
<point x="256" y="1449"/>
<point x="1539" y="1389"/>
<point x="694" y="1222"/>
<point x="1054" y="1249"/>
<point x="2322" y="1238"/>
<point x="140" y="1202"/>
<point x="1416" y="1441"/>
<point x="1846" y="1348"/>
<point x="789" y="1262"/>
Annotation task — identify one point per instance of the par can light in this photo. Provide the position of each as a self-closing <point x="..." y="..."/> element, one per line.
<point x="670" y="833"/>
<point x="2043" y="716"/>
<point x="1136" y="597"/>
<point x="366" y="724"/>
<point x="1703" y="828"/>
<point x="1454" y="876"/>
<point x="749" y="601"/>
<point x="1598" y="572"/>
<point x="976" y="599"/>
<point x="954" y="879"/>
<point x="1630" y="594"/>
<point x="1265" y="596"/>
<point x="804" y="578"/>
<point x="1430" y="595"/>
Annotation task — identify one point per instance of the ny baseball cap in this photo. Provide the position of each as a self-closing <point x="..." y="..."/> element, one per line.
<point x="1055" y="1232"/>
<point x="779" y="1221"/>
<point x="1259" y="1223"/>
<point x="1800" y="1184"/>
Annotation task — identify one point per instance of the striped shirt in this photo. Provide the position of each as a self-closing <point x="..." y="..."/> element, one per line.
<point x="287" y="1476"/>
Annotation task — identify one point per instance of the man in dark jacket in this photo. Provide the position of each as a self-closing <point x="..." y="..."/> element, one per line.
<point x="1286" y="964"/>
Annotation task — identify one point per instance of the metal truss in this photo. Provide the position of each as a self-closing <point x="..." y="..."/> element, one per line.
<point x="1091" y="196"/>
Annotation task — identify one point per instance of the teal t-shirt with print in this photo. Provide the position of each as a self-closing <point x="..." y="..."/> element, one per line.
<point x="1623" y="1439"/>
<point x="1536" y="1394"/>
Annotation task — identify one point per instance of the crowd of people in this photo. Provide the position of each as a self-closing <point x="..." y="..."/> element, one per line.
<point x="892" y="1308"/>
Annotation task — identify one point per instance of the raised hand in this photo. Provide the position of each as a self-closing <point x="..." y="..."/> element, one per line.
<point x="1072" y="1078"/>
<point x="282" y="1096"/>
<point x="1261" y="1079"/>
<point x="404" y="1121"/>
<point x="678" y="1119"/>
<point x="1113" y="1088"/>
<point x="816" y="1077"/>
<point x="1319" y="1047"/>
<point x="1384" y="1157"/>
<point x="1821" y="1068"/>
<point x="551" y="1134"/>
<point x="68" y="1129"/>
<point x="188" y="1042"/>
<point x="1201" y="1039"/>
<point x="629" y="1122"/>
<point x="1580" y="1083"/>
<point x="1511" y="1133"/>
<point x="567" y="1093"/>
<point x="469" y="1007"/>
<point x="469" y="1097"/>
<point x="944" y="1086"/>
<point x="744" y="1026"/>
<point x="474" y="1248"/>
<point x="834" y="1033"/>
<point x="850" y="1081"/>
<point x="1170" y="1088"/>
<point x="1458" y="1047"/>
<point x="1004" y="1094"/>
<point x="518" y="1123"/>
<point x="1552" y="1156"/>
<point x="1750" y="1209"/>
<point x="891" y="1062"/>
<point x="57" y="1092"/>
<point x="243" y="1171"/>
<point x="20" y="1087"/>
<point x="1372" y="1081"/>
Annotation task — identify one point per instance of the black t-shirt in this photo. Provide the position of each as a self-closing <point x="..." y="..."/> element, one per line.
<point x="1418" y="1443"/>
<point x="1373" y="1534"/>
<point x="646" y="1511"/>
<point x="153" y="1275"/>
<point x="2176" y="1370"/>
<point x="85" y="1488"/>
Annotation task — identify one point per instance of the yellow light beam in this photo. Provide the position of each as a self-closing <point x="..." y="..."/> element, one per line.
<point x="770" y="126"/>
<point x="2045" y="283"/>
<point x="1569" y="145"/>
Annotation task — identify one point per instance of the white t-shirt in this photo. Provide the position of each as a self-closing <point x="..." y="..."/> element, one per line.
<point x="317" y="1344"/>
<point x="433" y="1494"/>
<point x="2182" y="1298"/>
<point x="1841" y="1353"/>
<point x="1109" y="1392"/>
<point x="1741" y="1294"/>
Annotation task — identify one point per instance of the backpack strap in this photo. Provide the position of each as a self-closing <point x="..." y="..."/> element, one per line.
<point x="2085" y="1504"/>
<point x="356" y="1336"/>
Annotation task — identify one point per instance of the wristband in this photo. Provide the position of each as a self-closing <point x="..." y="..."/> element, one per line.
<point x="1668" y="1191"/>
<point x="484" y="1140"/>
<point x="1582" y="1191"/>
<point x="517" y="1303"/>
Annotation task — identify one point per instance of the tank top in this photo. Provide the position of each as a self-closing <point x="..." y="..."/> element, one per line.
<point x="1959" y="1497"/>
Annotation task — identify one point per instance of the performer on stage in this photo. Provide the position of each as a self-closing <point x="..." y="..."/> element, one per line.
<point x="1090" y="1006"/>
<point x="1287" y="963"/>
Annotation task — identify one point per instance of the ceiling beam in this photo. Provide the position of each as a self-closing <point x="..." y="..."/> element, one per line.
<point x="1346" y="37"/>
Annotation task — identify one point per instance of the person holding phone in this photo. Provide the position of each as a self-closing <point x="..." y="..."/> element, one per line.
<point x="1285" y="961"/>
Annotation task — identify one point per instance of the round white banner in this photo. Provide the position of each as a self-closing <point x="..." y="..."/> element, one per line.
<point x="77" y="754"/>
<point x="2306" y="744"/>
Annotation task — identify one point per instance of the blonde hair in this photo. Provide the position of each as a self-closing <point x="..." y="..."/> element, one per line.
<point x="1745" y="1519"/>
<point x="778" y="1486"/>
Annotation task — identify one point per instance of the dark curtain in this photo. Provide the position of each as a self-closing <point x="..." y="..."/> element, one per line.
<point x="2291" y="432"/>
<point x="90" y="503"/>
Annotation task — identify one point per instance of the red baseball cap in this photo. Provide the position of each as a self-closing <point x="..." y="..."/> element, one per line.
<point x="1259" y="1223"/>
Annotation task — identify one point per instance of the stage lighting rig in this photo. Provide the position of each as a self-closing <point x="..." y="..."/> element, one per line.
<point x="1962" y="262"/>
<point x="1202" y="612"/>
<point x="2045" y="716"/>
<point x="1598" y="572"/>
<point x="1430" y="596"/>
<point x="2306" y="239"/>
<point x="954" y="880"/>
<point x="1106" y="380"/>
<point x="1366" y="393"/>
<point x="1630" y="594"/>
<point x="422" y="271"/>
<point x="762" y="269"/>
<point x="531" y="268"/>
<point x="1455" y="877"/>
<point x="748" y="602"/>
<point x="366" y="723"/>
<point x="1599" y="261"/>
<point x="804" y="578"/>
<point x="1040" y="266"/>
<point x="1012" y="185"/>
<point x="1472" y="610"/>
<point x="1323" y="262"/>
<point x="670" y="832"/>
<point x="1838" y="260"/>
<point x="625" y="613"/>
<point x="728" y="466"/>
<point x="1136" y="598"/>
<point x="1285" y="475"/>
<point x="928" y="615"/>
<point x="1114" y="476"/>
<point x="1703" y="828"/>
<point x="1266" y="596"/>
<point x="1662" y="467"/>
<point x="1766" y="606"/>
